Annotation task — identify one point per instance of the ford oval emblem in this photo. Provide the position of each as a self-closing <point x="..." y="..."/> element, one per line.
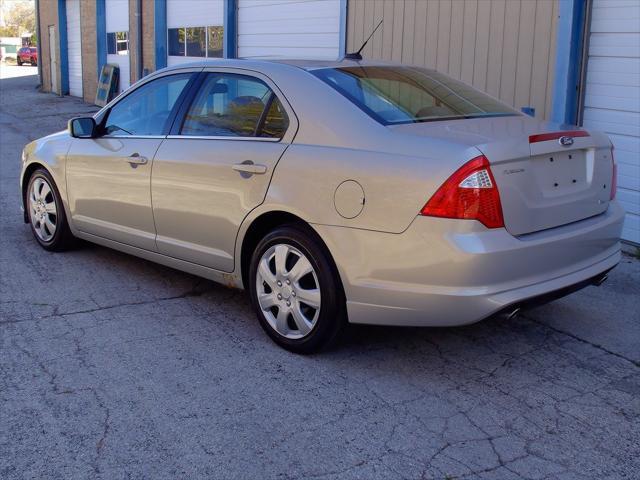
<point x="566" y="141"/>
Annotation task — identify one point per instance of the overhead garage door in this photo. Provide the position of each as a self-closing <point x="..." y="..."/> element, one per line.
<point x="117" y="13"/>
<point x="289" y="28"/>
<point x="74" y="47"/>
<point x="612" y="96"/>
<point x="195" y="30"/>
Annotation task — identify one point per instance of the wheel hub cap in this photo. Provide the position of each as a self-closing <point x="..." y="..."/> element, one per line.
<point x="288" y="291"/>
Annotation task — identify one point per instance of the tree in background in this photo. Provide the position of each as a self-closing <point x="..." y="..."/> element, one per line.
<point x="18" y="17"/>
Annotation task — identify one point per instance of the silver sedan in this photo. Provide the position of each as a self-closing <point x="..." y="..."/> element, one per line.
<point x="334" y="192"/>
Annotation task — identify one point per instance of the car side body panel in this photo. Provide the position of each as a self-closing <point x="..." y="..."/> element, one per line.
<point x="361" y="185"/>
<point x="443" y="272"/>
<point x="50" y="152"/>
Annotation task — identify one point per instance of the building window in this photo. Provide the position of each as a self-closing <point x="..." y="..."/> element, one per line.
<point x="176" y="42"/>
<point x="118" y="43"/>
<point x="195" y="41"/>
<point x="214" y="42"/>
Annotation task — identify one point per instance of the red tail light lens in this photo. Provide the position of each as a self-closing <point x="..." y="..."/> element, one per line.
<point x="470" y="193"/>
<point x="614" y="178"/>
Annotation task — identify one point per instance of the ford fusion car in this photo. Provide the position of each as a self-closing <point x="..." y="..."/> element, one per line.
<point x="334" y="192"/>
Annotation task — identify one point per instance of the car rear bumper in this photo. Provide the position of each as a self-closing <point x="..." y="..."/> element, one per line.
<point x="442" y="272"/>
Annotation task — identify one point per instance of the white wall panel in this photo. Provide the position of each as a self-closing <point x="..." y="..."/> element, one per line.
<point x="117" y="13"/>
<point x="194" y="13"/>
<point x="612" y="96"/>
<point x="289" y="28"/>
<point x="74" y="44"/>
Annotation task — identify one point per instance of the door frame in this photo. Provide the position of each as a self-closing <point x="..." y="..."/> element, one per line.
<point x="53" y="60"/>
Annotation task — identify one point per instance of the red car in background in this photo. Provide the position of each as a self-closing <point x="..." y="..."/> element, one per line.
<point x="28" y="55"/>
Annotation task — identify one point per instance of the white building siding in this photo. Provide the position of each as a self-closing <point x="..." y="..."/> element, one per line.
<point x="289" y="28"/>
<point x="193" y="13"/>
<point x="74" y="45"/>
<point x="612" y="96"/>
<point x="117" y="20"/>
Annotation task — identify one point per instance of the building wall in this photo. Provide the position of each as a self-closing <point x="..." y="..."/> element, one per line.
<point x="89" y="60"/>
<point x="148" y="36"/>
<point x="612" y="96"/>
<point x="503" y="47"/>
<point x="148" y="40"/>
<point x="289" y="28"/>
<point x="48" y="16"/>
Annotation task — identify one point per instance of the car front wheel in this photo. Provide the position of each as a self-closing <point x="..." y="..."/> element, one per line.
<point x="46" y="213"/>
<point x="295" y="290"/>
<point x="19" y="61"/>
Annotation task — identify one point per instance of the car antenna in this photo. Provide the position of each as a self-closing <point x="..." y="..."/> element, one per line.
<point x="356" y="55"/>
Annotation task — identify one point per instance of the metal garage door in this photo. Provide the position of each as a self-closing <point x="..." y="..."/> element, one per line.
<point x="289" y="28"/>
<point x="74" y="47"/>
<point x="117" y="13"/>
<point x="612" y="96"/>
<point x="194" y="30"/>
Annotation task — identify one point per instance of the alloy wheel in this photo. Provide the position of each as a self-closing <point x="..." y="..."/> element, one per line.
<point x="43" y="211"/>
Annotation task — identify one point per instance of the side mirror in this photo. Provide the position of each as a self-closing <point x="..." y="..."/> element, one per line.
<point x="82" y="127"/>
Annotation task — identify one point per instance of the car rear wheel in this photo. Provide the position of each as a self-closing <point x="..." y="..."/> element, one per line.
<point x="46" y="213"/>
<point x="19" y="61"/>
<point x="295" y="290"/>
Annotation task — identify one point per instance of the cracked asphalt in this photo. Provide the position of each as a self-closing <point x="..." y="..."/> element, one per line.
<point x="113" y="367"/>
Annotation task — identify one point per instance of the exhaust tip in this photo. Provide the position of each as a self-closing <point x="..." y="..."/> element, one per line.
<point x="510" y="314"/>
<point x="514" y="313"/>
<point x="601" y="279"/>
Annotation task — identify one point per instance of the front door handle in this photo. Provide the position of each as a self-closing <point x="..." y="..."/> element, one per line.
<point x="250" y="168"/>
<point x="136" y="159"/>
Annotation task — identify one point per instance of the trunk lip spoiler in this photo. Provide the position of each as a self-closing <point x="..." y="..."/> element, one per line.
<point x="543" y="137"/>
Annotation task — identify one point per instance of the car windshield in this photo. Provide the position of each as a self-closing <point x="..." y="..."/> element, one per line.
<point x="394" y="95"/>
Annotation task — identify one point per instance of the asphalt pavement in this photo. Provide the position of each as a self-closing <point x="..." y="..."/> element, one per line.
<point x="113" y="367"/>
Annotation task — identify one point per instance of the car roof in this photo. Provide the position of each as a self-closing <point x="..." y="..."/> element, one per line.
<point x="267" y="63"/>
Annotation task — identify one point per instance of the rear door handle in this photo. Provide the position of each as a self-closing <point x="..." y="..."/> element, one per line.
<point x="136" y="159"/>
<point x="250" y="168"/>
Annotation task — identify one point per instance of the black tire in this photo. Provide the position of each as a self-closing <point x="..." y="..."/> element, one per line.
<point x="332" y="312"/>
<point x="62" y="238"/>
<point x="34" y="63"/>
<point x="19" y="62"/>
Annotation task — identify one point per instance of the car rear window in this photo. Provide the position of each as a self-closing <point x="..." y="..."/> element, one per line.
<point x="394" y="95"/>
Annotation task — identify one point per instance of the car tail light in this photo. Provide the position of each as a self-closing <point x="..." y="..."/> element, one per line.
<point x="470" y="193"/>
<point x="614" y="178"/>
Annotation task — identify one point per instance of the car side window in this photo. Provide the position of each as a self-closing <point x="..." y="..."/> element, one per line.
<point x="146" y="110"/>
<point x="232" y="105"/>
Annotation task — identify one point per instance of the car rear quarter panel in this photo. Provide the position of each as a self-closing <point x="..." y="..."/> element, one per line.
<point x="336" y="142"/>
<point x="396" y="186"/>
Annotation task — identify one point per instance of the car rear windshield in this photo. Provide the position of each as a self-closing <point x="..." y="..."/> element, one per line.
<point x="394" y="95"/>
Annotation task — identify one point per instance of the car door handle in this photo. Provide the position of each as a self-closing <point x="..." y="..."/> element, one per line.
<point x="251" y="168"/>
<point x="137" y="159"/>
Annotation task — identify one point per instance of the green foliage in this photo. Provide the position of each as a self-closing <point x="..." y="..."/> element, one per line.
<point x="20" y="17"/>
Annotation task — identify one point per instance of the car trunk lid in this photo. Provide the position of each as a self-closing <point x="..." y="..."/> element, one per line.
<point x="547" y="175"/>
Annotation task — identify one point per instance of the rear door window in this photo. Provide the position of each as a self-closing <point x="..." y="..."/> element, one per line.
<point x="232" y="105"/>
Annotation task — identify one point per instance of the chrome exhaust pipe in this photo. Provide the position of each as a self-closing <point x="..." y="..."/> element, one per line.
<point x="600" y="280"/>
<point x="513" y="314"/>
<point x="510" y="314"/>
